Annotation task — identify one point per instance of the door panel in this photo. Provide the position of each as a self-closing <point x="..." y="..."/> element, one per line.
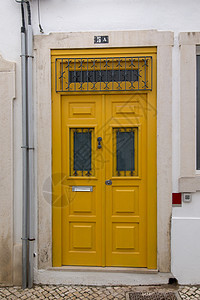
<point x="82" y="212"/>
<point x="126" y="197"/>
<point x="130" y="203"/>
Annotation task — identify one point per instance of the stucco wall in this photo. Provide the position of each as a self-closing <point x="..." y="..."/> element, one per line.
<point x="86" y="15"/>
<point x="7" y="94"/>
<point x="185" y="241"/>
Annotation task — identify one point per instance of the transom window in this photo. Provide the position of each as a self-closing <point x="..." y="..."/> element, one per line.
<point x="104" y="74"/>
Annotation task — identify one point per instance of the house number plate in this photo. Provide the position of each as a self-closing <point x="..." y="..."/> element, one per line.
<point x="101" y="39"/>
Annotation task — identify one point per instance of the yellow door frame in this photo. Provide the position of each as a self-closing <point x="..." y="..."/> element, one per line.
<point x="151" y="153"/>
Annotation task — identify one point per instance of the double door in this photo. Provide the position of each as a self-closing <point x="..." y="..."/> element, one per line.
<point x="104" y="157"/>
<point x="104" y="199"/>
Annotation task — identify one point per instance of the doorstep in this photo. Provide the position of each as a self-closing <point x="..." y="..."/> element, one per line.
<point x="104" y="269"/>
<point x="100" y="276"/>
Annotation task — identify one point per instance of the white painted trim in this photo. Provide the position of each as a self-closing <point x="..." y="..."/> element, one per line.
<point x="43" y="45"/>
<point x="185" y="218"/>
<point x="189" y="184"/>
<point x="197" y="50"/>
<point x="189" y="177"/>
<point x="137" y="38"/>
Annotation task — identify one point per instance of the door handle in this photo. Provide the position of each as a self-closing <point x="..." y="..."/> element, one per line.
<point x="108" y="182"/>
<point x="99" y="139"/>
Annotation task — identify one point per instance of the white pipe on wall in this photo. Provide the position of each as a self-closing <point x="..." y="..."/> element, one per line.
<point x="28" y="210"/>
<point x="24" y="151"/>
<point x="31" y="206"/>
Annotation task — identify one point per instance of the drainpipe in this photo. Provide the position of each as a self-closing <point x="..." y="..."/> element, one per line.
<point x="28" y="210"/>
<point x="24" y="152"/>
<point x="31" y="206"/>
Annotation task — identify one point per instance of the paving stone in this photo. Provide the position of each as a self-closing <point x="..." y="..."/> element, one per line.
<point x="88" y="292"/>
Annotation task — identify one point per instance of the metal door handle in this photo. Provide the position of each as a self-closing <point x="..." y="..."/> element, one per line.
<point x="108" y="182"/>
<point x="99" y="139"/>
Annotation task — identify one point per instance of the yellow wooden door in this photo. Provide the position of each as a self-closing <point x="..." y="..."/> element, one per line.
<point x="104" y="150"/>
<point x="82" y="188"/>
<point x="126" y="168"/>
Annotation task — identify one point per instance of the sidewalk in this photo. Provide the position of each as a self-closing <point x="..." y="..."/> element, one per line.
<point x="92" y="292"/>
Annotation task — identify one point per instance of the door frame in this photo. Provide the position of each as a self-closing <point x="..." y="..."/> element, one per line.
<point x="151" y="200"/>
<point x="149" y="38"/>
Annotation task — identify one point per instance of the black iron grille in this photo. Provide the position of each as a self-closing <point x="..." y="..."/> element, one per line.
<point x="125" y="148"/>
<point x="81" y="151"/>
<point x="104" y="74"/>
<point x="125" y="151"/>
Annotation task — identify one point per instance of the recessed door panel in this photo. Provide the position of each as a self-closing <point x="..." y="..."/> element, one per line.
<point x="125" y="237"/>
<point x="83" y="203"/>
<point x="82" y="236"/>
<point x="82" y="110"/>
<point x="130" y="203"/>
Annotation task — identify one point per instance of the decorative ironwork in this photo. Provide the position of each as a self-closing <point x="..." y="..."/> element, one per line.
<point x="81" y="151"/>
<point x="104" y="74"/>
<point x="125" y="151"/>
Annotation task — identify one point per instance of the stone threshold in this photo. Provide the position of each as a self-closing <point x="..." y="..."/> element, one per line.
<point x="100" y="276"/>
<point x="104" y="269"/>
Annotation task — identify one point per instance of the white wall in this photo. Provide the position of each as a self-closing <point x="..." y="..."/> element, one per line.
<point x="185" y="241"/>
<point x="86" y="15"/>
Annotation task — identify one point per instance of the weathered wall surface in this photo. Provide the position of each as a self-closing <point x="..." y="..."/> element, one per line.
<point x="7" y="94"/>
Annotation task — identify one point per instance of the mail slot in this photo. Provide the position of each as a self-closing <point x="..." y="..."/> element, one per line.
<point x="83" y="188"/>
